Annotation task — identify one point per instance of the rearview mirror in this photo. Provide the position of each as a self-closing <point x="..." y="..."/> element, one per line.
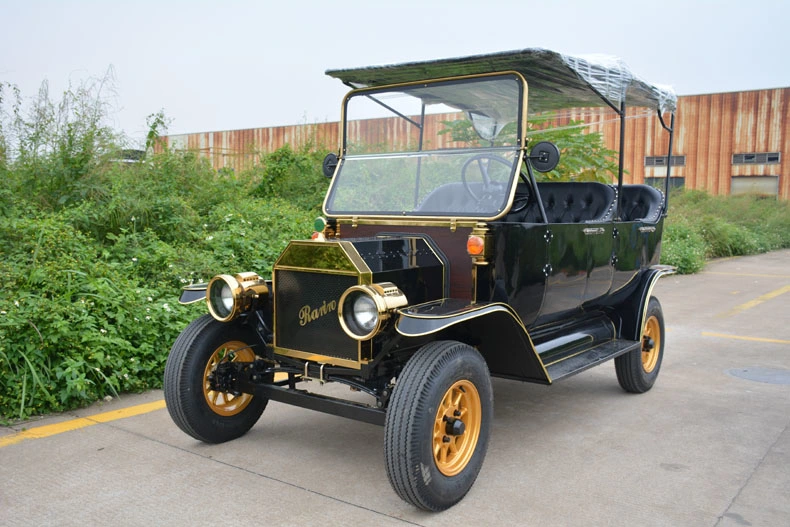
<point x="330" y="164"/>
<point x="544" y="156"/>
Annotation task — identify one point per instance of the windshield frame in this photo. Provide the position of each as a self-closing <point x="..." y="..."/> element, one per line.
<point x="471" y="218"/>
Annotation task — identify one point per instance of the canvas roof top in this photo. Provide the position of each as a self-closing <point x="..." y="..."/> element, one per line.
<point x="555" y="80"/>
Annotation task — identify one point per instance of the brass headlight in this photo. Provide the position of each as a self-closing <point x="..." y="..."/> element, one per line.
<point x="364" y="309"/>
<point x="229" y="296"/>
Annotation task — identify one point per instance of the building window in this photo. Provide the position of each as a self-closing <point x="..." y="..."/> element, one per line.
<point x="661" y="161"/>
<point x="756" y="158"/>
<point x="762" y="185"/>
<point x="660" y="182"/>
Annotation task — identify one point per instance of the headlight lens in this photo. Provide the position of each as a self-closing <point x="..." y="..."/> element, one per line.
<point x="365" y="308"/>
<point x="365" y="313"/>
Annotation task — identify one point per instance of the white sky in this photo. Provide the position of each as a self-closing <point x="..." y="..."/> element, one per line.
<point x="225" y="65"/>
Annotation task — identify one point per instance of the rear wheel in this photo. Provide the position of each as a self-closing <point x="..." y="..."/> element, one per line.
<point x="197" y="408"/>
<point x="637" y="371"/>
<point x="438" y="424"/>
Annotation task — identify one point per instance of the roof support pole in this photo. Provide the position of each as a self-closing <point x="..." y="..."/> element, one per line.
<point x="671" y="130"/>
<point x="622" y="157"/>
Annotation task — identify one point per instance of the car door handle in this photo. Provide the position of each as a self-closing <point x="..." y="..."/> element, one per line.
<point x="590" y="231"/>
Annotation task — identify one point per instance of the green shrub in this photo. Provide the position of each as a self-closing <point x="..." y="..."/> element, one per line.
<point x="702" y="226"/>
<point x="294" y="176"/>
<point x="80" y="319"/>
<point x="683" y="247"/>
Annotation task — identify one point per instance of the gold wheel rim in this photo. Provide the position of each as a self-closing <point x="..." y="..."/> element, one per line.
<point x="650" y="354"/>
<point x="453" y="452"/>
<point x="223" y="403"/>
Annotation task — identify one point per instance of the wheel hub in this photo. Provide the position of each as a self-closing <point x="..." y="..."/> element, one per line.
<point x="651" y="344"/>
<point x="217" y="378"/>
<point x="454" y="427"/>
<point x="457" y="428"/>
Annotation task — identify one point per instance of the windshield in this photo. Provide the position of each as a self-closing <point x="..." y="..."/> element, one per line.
<point x="432" y="149"/>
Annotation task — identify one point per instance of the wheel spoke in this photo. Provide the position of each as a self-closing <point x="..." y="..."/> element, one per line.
<point x="457" y="399"/>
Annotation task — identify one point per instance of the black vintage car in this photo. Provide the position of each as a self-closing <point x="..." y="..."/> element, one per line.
<point x="447" y="256"/>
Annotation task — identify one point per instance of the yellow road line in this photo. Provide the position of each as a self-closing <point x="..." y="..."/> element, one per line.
<point x="81" y="422"/>
<point x="738" y="337"/>
<point x="756" y="302"/>
<point x="748" y="274"/>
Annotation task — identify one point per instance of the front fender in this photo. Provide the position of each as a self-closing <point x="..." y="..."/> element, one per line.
<point x="193" y="293"/>
<point x="494" y="328"/>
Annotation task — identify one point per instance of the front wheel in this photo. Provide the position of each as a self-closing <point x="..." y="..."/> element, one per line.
<point x="195" y="406"/>
<point x="437" y="425"/>
<point x="637" y="371"/>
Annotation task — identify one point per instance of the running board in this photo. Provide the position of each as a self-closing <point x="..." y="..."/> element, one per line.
<point x="589" y="358"/>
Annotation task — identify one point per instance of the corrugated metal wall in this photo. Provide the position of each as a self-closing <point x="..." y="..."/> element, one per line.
<point x="710" y="129"/>
<point x="240" y="149"/>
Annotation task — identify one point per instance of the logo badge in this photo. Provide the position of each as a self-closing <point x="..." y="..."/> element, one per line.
<point x="308" y="314"/>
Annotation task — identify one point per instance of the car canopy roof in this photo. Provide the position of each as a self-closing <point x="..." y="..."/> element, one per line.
<point x="555" y="80"/>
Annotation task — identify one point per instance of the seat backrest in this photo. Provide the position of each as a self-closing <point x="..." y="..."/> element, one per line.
<point x="577" y="202"/>
<point x="641" y="203"/>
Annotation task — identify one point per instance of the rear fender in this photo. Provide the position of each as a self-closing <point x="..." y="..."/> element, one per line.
<point x="493" y="328"/>
<point x="632" y="309"/>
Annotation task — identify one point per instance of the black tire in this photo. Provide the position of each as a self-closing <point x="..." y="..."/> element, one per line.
<point x="637" y="371"/>
<point x="421" y="469"/>
<point x="209" y="416"/>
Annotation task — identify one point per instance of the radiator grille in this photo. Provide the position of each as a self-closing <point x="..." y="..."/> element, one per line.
<point x="306" y="320"/>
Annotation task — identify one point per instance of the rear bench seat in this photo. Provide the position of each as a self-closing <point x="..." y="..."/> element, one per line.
<point x="574" y="202"/>
<point x="641" y="203"/>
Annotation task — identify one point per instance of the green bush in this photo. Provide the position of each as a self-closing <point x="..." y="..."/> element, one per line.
<point x="294" y="176"/>
<point x="702" y="226"/>
<point x="82" y="318"/>
<point x="94" y="252"/>
<point x="683" y="247"/>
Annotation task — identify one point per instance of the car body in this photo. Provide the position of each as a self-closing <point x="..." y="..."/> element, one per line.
<point x="444" y="258"/>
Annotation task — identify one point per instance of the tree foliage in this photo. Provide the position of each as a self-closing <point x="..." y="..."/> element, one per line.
<point x="584" y="156"/>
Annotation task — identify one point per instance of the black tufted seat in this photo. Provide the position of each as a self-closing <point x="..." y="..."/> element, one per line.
<point x="641" y="203"/>
<point x="576" y="202"/>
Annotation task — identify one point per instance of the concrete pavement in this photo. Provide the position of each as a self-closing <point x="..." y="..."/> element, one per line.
<point x="708" y="445"/>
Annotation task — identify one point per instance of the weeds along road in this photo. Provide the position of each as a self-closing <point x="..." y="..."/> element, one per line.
<point x="708" y="445"/>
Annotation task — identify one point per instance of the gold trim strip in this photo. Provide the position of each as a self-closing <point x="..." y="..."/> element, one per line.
<point x="321" y="359"/>
<point x="413" y="221"/>
<point x="314" y="270"/>
<point x="364" y="272"/>
<point x="654" y="281"/>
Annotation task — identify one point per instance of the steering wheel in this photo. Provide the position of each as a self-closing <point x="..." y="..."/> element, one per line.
<point x="487" y="185"/>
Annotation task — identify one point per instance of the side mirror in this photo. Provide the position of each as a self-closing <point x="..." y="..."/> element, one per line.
<point x="544" y="156"/>
<point x="330" y="164"/>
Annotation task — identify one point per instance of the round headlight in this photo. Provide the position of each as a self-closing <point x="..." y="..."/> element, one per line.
<point x="364" y="309"/>
<point x="222" y="297"/>
<point x="359" y="314"/>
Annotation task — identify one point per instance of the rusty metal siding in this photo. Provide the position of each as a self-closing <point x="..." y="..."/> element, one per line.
<point x="709" y="130"/>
